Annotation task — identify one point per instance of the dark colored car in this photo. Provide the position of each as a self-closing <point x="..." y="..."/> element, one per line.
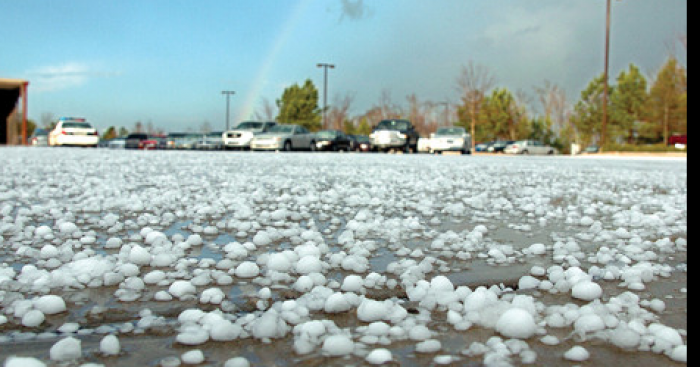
<point x="483" y="147"/>
<point x="499" y="146"/>
<point x="360" y="143"/>
<point x="142" y="141"/>
<point x="332" y="140"/>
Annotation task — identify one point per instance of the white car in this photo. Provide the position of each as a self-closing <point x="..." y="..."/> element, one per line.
<point x="529" y="147"/>
<point x="71" y="131"/>
<point x="243" y="134"/>
<point x="285" y="138"/>
<point x="451" y="139"/>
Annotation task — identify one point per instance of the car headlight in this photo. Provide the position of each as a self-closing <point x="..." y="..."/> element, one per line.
<point x="403" y="136"/>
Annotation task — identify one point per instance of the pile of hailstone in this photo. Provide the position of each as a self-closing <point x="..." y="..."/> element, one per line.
<point x="266" y="247"/>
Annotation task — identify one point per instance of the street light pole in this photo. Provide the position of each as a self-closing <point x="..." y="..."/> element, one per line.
<point x="325" y="88"/>
<point x="606" y="87"/>
<point x="228" y="94"/>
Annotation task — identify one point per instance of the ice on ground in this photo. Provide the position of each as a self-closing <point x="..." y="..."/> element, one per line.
<point x="395" y="249"/>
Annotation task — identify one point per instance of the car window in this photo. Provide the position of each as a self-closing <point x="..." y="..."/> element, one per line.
<point x="250" y="125"/>
<point x="450" y="131"/>
<point x="76" y="125"/>
<point x="282" y="129"/>
<point x="394" y="125"/>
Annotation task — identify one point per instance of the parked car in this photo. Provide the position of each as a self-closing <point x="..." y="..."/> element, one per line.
<point x="141" y="141"/>
<point x="483" y="147"/>
<point x="451" y="139"/>
<point x="241" y="136"/>
<point x="39" y="138"/>
<point x="678" y="140"/>
<point x="360" y="143"/>
<point x="182" y="140"/>
<point x="529" y="147"/>
<point x="333" y="140"/>
<point x="72" y="131"/>
<point x="591" y="149"/>
<point x="117" y="143"/>
<point x="210" y="141"/>
<point x="424" y="145"/>
<point x="286" y="138"/>
<point x="499" y="146"/>
<point x="395" y="134"/>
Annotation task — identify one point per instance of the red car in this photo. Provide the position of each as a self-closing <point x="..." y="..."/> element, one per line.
<point x="678" y="139"/>
<point x="142" y="141"/>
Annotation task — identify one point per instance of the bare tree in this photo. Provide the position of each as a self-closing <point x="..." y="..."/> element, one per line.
<point x="340" y="111"/>
<point x="421" y="115"/>
<point x="556" y="108"/>
<point x="385" y="109"/>
<point x="268" y="113"/>
<point x="473" y="84"/>
<point x="48" y="121"/>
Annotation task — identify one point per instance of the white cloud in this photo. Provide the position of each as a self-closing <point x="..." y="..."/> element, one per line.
<point x="69" y="75"/>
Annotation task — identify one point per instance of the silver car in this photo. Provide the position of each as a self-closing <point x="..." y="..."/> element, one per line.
<point x="39" y="138"/>
<point x="529" y="147"/>
<point x="243" y="134"/>
<point x="451" y="139"/>
<point x="285" y="138"/>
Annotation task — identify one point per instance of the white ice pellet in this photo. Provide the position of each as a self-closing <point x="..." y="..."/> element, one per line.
<point x="110" y="346"/>
<point x="66" y="350"/>
<point x="23" y="362"/>
<point x="516" y="323"/>
<point x="379" y="356"/>
<point x="237" y="362"/>
<point x="193" y="357"/>
<point x="587" y="291"/>
<point x="50" y="304"/>
<point x="577" y="354"/>
<point x="338" y="346"/>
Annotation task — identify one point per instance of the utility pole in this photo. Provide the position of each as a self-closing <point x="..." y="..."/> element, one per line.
<point x="606" y="87"/>
<point x="228" y="94"/>
<point x="325" y="88"/>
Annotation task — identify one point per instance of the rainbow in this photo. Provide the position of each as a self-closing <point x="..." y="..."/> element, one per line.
<point x="252" y="98"/>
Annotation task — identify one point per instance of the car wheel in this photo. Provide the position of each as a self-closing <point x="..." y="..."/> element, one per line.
<point x="288" y="146"/>
<point x="313" y="146"/>
<point x="525" y="152"/>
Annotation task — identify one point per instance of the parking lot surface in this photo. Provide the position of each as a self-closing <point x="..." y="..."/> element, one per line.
<point x="162" y="258"/>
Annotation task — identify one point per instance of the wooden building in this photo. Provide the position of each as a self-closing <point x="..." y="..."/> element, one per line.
<point x="13" y="127"/>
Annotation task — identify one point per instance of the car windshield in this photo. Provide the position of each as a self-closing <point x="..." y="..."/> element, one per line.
<point x="284" y="129"/>
<point x="450" y="131"/>
<point x="76" y="125"/>
<point x="327" y="134"/>
<point x="393" y="125"/>
<point x="250" y="125"/>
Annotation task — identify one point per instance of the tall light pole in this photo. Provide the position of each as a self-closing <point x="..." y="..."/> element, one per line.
<point x="606" y="76"/>
<point x="228" y="94"/>
<point x="325" y="88"/>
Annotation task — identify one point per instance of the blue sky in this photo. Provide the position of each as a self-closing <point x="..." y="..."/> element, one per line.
<point x="167" y="61"/>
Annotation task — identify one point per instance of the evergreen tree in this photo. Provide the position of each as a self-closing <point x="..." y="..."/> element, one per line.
<point x="364" y="128"/>
<point x="628" y="103"/>
<point x="588" y="113"/>
<point x="110" y="133"/>
<point x="668" y="103"/>
<point x="299" y="105"/>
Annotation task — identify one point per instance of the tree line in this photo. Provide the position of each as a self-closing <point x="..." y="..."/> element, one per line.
<point x="641" y="111"/>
